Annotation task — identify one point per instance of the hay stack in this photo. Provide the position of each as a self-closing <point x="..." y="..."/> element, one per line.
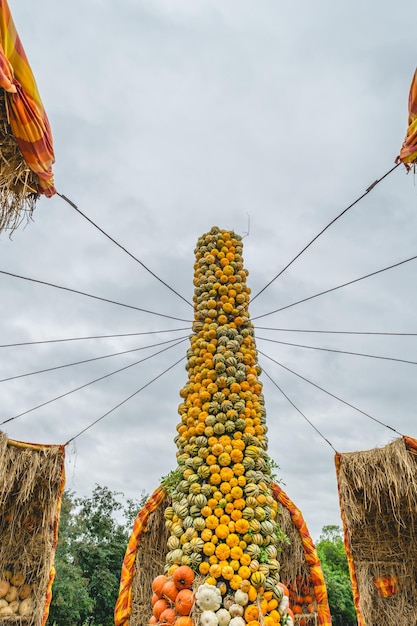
<point x="31" y="484"/>
<point x="300" y="566"/>
<point x="378" y="498"/>
<point x="295" y="572"/>
<point x="18" y="184"/>
<point x="149" y="562"/>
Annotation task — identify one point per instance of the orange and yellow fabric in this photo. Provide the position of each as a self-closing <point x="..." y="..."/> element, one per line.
<point x="123" y="606"/>
<point x="310" y="553"/>
<point x="28" y="120"/>
<point x="352" y="572"/>
<point x="386" y="585"/>
<point x="408" y="152"/>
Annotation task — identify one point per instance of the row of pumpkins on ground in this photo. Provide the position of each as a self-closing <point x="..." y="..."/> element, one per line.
<point x="175" y="602"/>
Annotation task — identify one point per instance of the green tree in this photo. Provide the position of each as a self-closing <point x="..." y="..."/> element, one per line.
<point x="71" y="603"/>
<point x="331" y="551"/>
<point x="93" y="535"/>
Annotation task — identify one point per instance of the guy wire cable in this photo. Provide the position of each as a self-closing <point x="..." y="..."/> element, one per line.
<point x="372" y="186"/>
<point x="74" y="206"/>
<point x="297" y="409"/>
<point x="332" y="332"/>
<point x="124" y="401"/>
<point x="352" y="406"/>
<point x="97" y="358"/>
<point x="89" y="295"/>
<point x="368" y="356"/>
<point x="322" y="293"/>
<point x="44" y="341"/>
<point x="91" y="382"/>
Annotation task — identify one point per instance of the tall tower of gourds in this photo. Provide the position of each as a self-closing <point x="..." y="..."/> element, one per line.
<point x="221" y="565"/>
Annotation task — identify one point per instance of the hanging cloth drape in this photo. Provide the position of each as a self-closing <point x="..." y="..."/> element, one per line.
<point x="408" y="152"/>
<point x="27" y="117"/>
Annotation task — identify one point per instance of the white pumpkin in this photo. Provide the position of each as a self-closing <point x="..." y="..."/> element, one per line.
<point x="237" y="621"/>
<point x="14" y="606"/>
<point x="208" y="618"/>
<point x="283" y="605"/>
<point x="11" y="595"/>
<point x="6" y="610"/>
<point x="26" y="607"/>
<point x="208" y="597"/>
<point x="236" y="610"/>
<point x="223" y="617"/>
<point x="241" y="597"/>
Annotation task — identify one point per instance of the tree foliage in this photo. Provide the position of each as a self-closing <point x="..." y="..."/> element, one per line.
<point x="331" y="551"/>
<point x="93" y="535"/>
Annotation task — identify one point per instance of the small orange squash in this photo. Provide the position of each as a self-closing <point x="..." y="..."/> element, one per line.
<point x="168" y="616"/>
<point x="183" y="577"/>
<point x="158" y="583"/>
<point x="184" y="621"/>
<point x="184" y="602"/>
<point x="159" y="606"/>
<point x="170" y="590"/>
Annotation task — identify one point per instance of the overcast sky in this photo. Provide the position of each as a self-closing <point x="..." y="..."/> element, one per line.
<point x="169" y="117"/>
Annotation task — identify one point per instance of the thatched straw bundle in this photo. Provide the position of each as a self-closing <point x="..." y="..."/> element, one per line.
<point x="300" y="566"/>
<point x="31" y="484"/>
<point x="18" y="184"/>
<point x="149" y="562"/>
<point x="378" y="497"/>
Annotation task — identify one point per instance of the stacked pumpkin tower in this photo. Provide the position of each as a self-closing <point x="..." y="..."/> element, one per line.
<point x="221" y="565"/>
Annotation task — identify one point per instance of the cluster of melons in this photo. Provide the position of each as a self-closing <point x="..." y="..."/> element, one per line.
<point x="173" y="598"/>
<point x="240" y="609"/>
<point x="15" y="595"/>
<point x="222" y="521"/>
<point x="302" y="599"/>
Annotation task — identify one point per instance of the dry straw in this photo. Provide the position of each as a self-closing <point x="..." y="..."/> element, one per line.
<point x="149" y="563"/>
<point x="294" y="567"/>
<point x="378" y="496"/>
<point x="18" y="184"/>
<point x="31" y="481"/>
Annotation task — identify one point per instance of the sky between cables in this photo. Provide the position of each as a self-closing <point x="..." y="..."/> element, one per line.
<point x="214" y="127"/>
<point x="146" y="311"/>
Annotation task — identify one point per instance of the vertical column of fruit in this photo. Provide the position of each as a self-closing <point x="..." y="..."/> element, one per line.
<point x="222" y="521"/>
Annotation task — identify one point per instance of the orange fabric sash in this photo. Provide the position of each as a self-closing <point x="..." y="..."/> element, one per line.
<point x="27" y="117"/>
<point x="311" y="556"/>
<point x="123" y="606"/>
<point x="408" y="152"/>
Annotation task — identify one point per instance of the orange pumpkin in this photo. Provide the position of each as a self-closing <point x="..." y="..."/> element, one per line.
<point x="184" y="602"/>
<point x="168" y="616"/>
<point x="251" y="612"/>
<point x="184" y="621"/>
<point x="159" y="607"/>
<point x="170" y="590"/>
<point x="153" y="620"/>
<point x="158" y="583"/>
<point x="183" y="577"/>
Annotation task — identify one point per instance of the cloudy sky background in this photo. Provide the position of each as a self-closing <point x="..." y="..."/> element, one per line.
<point x="172" y="116"/>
